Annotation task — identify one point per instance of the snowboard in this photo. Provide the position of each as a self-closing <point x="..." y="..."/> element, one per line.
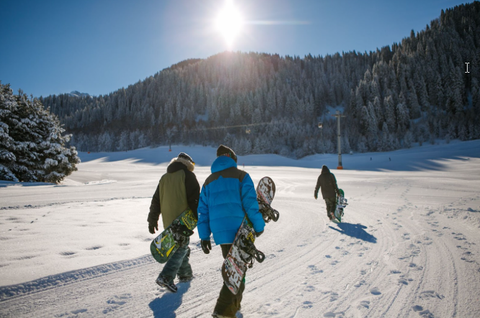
<point x="341" y="204"/>
<point x="243" y="251"/>
<point x="174" y="236"/>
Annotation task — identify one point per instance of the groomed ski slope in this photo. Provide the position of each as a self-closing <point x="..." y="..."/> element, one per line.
<point x="409" y="245"/>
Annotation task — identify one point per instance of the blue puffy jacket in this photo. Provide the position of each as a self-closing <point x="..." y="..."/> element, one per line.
<point x="226" y="195"/>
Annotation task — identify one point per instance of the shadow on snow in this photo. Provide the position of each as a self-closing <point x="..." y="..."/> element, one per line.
<point x="356" y="231"/>
<point x="166" y="305"/>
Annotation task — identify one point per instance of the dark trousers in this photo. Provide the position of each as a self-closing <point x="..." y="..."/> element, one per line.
<point x="227" y="303"/>
<point x="331" y="205"/>
<point x="178" y="264"/>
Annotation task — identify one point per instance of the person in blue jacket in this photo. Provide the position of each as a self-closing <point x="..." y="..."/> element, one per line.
<point x="227" y="195"/>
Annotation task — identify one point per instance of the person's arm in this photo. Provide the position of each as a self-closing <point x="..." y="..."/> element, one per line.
<point x="155" y="211"/>
<point x="337" y="191"/>
<point x="193" y="192"/>
<point x="203" y="224"/>
<point x="250" y="204"/>
<point x="317" y="187"/>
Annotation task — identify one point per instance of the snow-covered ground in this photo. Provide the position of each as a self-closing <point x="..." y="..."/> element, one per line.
<point x="409" y="245"/>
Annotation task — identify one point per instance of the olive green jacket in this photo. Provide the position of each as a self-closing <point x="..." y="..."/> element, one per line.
<point x="177" y="190"/>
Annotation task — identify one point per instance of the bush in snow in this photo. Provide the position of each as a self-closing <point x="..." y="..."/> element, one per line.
<point x="32" y="147"/>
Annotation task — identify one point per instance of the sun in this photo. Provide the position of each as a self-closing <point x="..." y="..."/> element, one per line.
<point x="229" y="22"/>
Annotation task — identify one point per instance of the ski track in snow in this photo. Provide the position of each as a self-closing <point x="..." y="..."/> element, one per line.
<point x="409" y="246"/>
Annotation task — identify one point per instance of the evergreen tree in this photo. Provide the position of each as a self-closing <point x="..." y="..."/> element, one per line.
<point x="31" y="141"/>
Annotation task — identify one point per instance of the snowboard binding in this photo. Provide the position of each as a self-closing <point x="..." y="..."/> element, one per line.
<point x="180" y="229"/>
<point x="249" y="252"/>
<point x="180" y="233"/>
<point x="268" y="212"/>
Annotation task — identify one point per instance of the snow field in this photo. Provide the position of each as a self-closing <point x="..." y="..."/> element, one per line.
<point x="409" y="245"/>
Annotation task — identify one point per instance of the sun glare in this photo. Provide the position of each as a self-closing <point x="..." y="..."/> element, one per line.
<point x="229" y="22"/>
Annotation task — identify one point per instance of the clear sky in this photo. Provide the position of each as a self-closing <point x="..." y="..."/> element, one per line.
<point x="98" y="46"/>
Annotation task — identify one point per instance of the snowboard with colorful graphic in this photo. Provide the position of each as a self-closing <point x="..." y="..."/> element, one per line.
<point x="173" y="237"/>
<point x="243" y="251"/>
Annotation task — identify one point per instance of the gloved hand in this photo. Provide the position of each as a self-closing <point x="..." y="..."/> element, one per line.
<point x="206" y="246"/>
<point x="315" y="196"/>
<point x="152" y="226"/>
<point x="257" y="234"/>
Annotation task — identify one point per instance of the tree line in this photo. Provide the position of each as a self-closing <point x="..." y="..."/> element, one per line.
<point x="417" y="90"/>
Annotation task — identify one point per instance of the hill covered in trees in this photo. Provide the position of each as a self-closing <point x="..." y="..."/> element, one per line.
<point x="421" y="89"/>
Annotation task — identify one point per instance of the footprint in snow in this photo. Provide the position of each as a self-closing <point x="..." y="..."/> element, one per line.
<point x="333" y="296"/>
<point x="364" y="304"/>
<point x="375" y="291"/>
<point x="117" y="301"/>
<point x="430" y="294"/>
<point x="417" y="308"/>
<point x="426" y="314"/>
<point x="402" y="281"/>
<point x="310" y="288"/>
<point x="307" y="304"/>
<point x="93" y="248"/>
<point x="315" y="269"/>
<point x="67" y="253"/>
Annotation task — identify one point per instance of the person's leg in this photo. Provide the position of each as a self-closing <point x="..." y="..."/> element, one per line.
<point x="173" y="265"/>
<point x="330" y="202"/>
<point x="328" y="209"/>
<point x="185" y="272"/>
<point x="227" y="303"/>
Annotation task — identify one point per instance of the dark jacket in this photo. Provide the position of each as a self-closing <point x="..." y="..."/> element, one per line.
<point x="177" y="190"/>
<point x="227" y="195"/>
<point x="327" y="182"/>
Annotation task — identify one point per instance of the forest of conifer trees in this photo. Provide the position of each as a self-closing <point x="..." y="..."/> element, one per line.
<point x="417" y="90"/>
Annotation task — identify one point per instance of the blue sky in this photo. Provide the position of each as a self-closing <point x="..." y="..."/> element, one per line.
<point x="98" y="46"/>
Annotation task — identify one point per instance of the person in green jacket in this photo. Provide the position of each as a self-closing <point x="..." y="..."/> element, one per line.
<point x="177" y="190"/>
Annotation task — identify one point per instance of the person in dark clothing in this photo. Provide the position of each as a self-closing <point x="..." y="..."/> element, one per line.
<point x="228" y="194"/>
<point x="177" y="190"/>
<point x="327" y="182"/>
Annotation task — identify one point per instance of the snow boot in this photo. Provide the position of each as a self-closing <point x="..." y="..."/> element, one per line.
<point x="185" y="279"/>
<point x="163" y="282"/>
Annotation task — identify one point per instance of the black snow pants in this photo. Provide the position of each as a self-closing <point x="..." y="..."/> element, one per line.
<point x="331" y="205"/>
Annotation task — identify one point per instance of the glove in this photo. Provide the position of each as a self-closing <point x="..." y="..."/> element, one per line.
<point x="206" y="246"/>
<point x="257" y="234"/>
<point x="152" y="227"/>
<point x="315" y="196"/>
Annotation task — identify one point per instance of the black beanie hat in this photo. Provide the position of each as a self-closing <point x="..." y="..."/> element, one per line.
<point x="226" y="151"/>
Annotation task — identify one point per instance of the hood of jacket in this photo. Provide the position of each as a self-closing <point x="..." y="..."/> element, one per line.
<point x="179" y="164"/>
<point x="222" y="163"/>
<point x="325" y="170"/>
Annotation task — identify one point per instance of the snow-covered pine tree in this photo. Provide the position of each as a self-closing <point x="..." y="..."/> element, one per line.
<point x="32" y="147"/>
